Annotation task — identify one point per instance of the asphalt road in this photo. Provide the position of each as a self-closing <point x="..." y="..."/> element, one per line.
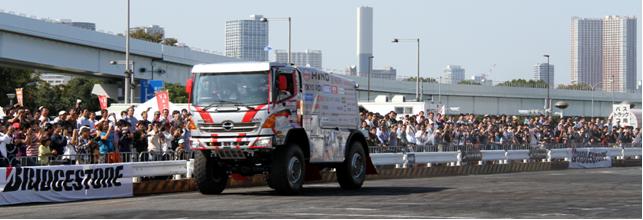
<point x="595" y="193"/>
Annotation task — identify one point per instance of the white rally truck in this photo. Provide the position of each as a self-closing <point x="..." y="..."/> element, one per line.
<point x="285" y="122"/>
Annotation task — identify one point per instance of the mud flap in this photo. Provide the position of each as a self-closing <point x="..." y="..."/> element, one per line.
<point x="370" y="168"/>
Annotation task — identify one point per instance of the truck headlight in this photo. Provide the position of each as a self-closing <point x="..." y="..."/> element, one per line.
<point x="263" y="142"/>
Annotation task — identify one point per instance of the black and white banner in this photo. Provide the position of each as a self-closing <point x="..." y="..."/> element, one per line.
<point x="590" y="158"/>
<point x="64" y="183"/>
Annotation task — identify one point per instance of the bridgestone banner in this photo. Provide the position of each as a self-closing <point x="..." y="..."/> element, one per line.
<point x="589" y="158"/>
<point x="64" y="183"/>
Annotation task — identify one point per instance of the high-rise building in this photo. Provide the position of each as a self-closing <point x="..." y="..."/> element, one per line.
<point x="364" y="39"/>
<point x="603" y="52"/>
<point x="311" y="58"/>
<point x="247" y="39"/>
<point x="453" y="74"/>
<point x="83" y="25"/>
<point x="587" y="50"/>
<point x="619" y="53"/>
<point x="151" y="30"/>
<point x="541" y="72"/>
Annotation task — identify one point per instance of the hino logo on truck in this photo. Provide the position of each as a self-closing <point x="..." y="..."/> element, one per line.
<point x="227" y="125"/>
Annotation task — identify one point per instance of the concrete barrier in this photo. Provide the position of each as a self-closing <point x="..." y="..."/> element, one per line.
<point x="387" y="158"/>
<point x="493" y="155"/>
<point x="436" y="157"/>
<point x="517" y="155"/>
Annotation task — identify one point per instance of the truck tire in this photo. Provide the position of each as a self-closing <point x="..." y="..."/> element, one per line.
<point x="210" y="178"/>
<point x="288" y="170"/>
<point x="352" y="172"/>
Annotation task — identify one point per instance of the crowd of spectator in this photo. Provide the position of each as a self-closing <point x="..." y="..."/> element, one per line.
<point x="79" y="136"/>
<point x="491" y="131"/>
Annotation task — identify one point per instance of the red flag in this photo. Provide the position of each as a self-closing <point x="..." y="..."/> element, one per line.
<point x="103" y="102"/>
<point x="163" y="100"/>
<point x="19" y="96"/>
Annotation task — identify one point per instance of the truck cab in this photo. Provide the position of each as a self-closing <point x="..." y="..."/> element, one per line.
<point x="279" y="120"/>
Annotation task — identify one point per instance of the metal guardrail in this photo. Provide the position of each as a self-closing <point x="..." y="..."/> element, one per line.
<point x="476" y="147"/>
<point x="404" y="155"/>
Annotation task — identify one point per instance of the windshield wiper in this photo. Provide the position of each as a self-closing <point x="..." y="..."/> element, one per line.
<point x="216" y="104"/>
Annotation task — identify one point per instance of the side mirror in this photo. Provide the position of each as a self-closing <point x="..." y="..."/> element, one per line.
<point x="188" y="86"/>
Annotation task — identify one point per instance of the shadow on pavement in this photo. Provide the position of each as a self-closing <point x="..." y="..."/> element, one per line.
<point x="336" y="191"/>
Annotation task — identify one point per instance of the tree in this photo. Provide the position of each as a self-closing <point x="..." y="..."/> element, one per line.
<point x="156" y="38"/>
<point x="177" y="93"/>
<point x="169" y="41"/>
<point x="13" y="78"/>
<point x="141" y="35"/>
<point x="468" y="82"/>
<point x="579" y="86"/>
<point x="524" y="83"/>
<point x="422" y="79"/>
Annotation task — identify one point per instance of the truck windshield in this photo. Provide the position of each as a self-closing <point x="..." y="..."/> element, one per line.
<point x="221" y="89"/>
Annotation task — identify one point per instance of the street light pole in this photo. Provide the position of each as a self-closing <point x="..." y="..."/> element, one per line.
<point x="418" y="75"/>
<point x="439" y="91"/>
<point x="417" y="80"/>
<point x="289" y="40"/>
<point x="547" y="100"/>
<point x="127" y="93"/>
<point x="289" y="19"/>
<point x="370" y="66"/>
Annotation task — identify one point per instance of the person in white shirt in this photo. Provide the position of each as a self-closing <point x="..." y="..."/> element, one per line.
<point x="83" y="120"/>
<point x="5" y="138"/>
<point x="44" y="115"/>
<point x="410" y="133"/>
<point x="153" y="142"/>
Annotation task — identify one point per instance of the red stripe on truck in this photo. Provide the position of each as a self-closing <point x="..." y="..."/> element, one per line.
<point x="205" y="115"/>
<point x="213" y="140"/>
<point x="239" y="139"/>
<point x="250" y="114"/>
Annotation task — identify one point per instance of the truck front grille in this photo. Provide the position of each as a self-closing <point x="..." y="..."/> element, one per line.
<point x="238" y="127"/>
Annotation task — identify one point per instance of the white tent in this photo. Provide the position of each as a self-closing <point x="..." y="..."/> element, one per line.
<point x="152" y="104"/>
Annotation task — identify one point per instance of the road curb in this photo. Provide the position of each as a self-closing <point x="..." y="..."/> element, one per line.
<point x="187" y="185"/>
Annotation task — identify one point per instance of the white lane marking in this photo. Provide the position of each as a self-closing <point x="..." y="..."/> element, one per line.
<point x="588" y="209"/>
<point x="349" y="209"/>
<point x="351" y="215"/>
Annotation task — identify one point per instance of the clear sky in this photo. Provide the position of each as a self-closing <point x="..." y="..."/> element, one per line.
<point x="513" y="34"/>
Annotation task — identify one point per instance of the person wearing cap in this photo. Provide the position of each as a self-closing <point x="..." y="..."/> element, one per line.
<point x="61" y="116"/>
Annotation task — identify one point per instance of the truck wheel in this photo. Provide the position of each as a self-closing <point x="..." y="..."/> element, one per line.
<point x="210" y="177"/>
<point x="352" y="172"/>
<point x="287" y="172"/>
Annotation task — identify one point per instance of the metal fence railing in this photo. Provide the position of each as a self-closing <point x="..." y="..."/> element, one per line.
<point x="186" y="155"/>
<point x="473" y="147"/>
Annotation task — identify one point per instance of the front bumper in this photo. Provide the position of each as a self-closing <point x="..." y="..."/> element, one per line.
<point x="217" y="143"/>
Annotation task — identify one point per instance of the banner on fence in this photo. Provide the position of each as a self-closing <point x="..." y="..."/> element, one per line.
<point x="589" y="158"/>
<point x="64" y="183"/>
